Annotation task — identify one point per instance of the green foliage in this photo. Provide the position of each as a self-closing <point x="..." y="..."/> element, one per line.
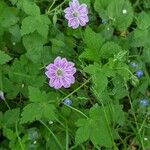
<point x="120" y="19"/>
<point x="110" y="97"/>
<point x="96" y="127"/>
<point x="22" y="74"/>
<point x="39" y="108"/>
<point x="8" y="15"/>
<point x="93" y="128"/>
<point x="4" y="58"/>
<point x="34" y="48"/>
<point x="113" y="10"/>
<point x="143" y="21"/>
<point x="30" y="8"/>
<point x="87" y="2"/>
<point x="109" y="49"/>
<point x="38" y="23"/>
<point x="101" y="7"/>
<point x="10" y="117"/>
<point x="94" y="42"/>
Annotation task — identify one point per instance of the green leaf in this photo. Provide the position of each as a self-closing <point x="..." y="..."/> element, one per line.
<point x="91" y="69"/>
<point x="37" y="111"/>
<point x="28" y="25"/>
<point x="8" y="16"/>
<point x="115" y="12"/>
<point x="42" y="27"/>
<point x="10" y="134"/>
<point x="99" y="77"/>
<point x="35" y="95"/>
<point x="15" y="31"/>
<point x="109" y="49"/>
<point x="100" y="81"/>
<point x="119" y="91"/>
<point x="39" y="23"/>
<point x="83" y="133"/>
<point x="93" y="40"/>
<point x="89" y="55"/>
<point x="22" y="73"/>
<point x="40" y="108"/>
<point x="97" y="127"/>
<point x="140" y="38"/>
<point x="11" y="116"/>
<point x="4" y="58"/>
<point x="94" y="128"/>
<point x="34" y="48"/>
<point x="101" y="6"/>
<point x="10" y="88"/>
<point x="31" y="112"/>
<point x="114" y="113"/>
<point x="103" y="97"/>
<point x="143" y="21"/>
<point x="30" y="8"/>
<point x="146" y="54"/>
<point x="123" y="70"/>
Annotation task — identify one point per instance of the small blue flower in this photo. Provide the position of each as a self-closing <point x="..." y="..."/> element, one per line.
<point x="144" y="102"/>
<point x="104" y="21"/>
<point x="2" y="95"/>
<point x="133" y="64"/>
<point x="139" y="73"/>
<point x="68" y="102"/>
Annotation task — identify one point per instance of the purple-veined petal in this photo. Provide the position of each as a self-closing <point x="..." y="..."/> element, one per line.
<point x="83" y="9"/>
<point x="74" y="4"/>
<point x="64" y="79"/>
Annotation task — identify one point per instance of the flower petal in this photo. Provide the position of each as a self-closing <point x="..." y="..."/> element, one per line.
<point x="70" y="71"/>
<point x="68" y="10"/>
<point x="57" y="61"/>
<point x="63" y="63"/>
<point x="66" y="78"/>
<point x="57" y="84"/>
<point x="51" y="66"/>
<point x="74" y="23"/>
<point x="83" y="9"/>
<point x="65" y="83"/>
<point x="50" y="74"/>
<point x="70" y="79"/>
<point x="83" y="20"/>
<point x="69" y="16"/>
<point x="51" y="82"/>
<point x="74" y="4"/>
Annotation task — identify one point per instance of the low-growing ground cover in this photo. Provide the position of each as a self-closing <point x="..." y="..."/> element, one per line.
<point x="75" y="74"/>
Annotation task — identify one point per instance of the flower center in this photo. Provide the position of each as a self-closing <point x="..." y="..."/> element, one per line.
<point x="75" y="14"/>
<point x="59" y="72"/>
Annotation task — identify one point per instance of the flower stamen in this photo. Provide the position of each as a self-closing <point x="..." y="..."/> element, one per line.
<point x="75" y="14"/>
<point x="59" y="72"/>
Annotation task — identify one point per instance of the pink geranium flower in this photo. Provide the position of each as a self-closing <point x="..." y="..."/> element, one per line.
<point x="76" y="14"/>
<point x="61" y="73"/>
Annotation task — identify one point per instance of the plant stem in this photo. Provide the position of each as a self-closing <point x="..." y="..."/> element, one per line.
<point x="19" y="139"/>
<point x="106" y="119"/>
<point x="50" y="11"/>
<point x="7" y="104"/>
<point x="67" y="137"/>
<point x="72" y="94"/>
<point x="51" y="132"/>
<point x="136" y="123"/>
<point x="76" y="89"/>
<point x="51" y="5"/>
<point x="80" y="112"/>
<point x="142" y="125"/>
